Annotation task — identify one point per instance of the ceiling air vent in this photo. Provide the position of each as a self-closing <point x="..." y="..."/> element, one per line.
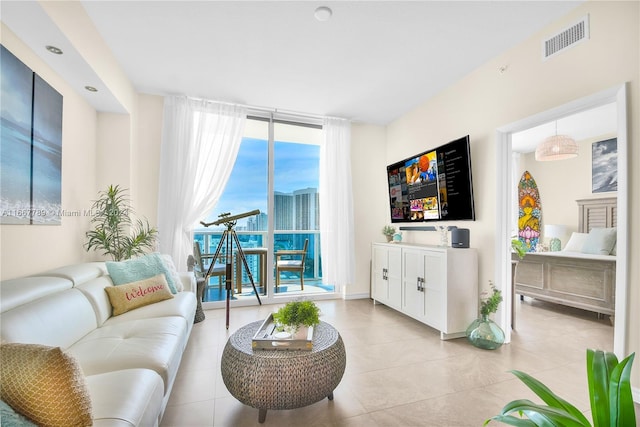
<point x="566" y="38"/>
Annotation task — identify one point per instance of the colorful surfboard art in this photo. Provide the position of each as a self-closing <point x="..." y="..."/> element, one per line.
<point x="529" y="212"/>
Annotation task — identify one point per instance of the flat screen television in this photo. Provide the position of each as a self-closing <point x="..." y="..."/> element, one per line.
<point x="435" y="185"/>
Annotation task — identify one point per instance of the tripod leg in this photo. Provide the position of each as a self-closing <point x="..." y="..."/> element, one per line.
<point x="216" y="254"/>
<point x="229" y="272"/>
<point x="246" y="265"/>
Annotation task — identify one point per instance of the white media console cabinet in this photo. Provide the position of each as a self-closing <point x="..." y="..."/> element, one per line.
<point x="435" y="285"/>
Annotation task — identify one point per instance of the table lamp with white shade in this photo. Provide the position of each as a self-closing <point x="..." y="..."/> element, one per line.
<point x="554" y="233"/>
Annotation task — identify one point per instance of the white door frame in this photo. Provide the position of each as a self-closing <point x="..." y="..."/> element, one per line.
<point x="617" y="94"/>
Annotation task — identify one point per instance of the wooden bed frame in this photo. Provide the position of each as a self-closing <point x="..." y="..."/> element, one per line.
<point x="573" y="279"/>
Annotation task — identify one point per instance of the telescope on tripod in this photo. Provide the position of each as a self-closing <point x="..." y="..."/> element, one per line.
<point x="227" y="218"/>
<point x="229" y="237"/>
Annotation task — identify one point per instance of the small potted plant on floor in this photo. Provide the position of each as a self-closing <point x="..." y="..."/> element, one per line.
<point x="296" y="317"/>
<point x="483" y="332"/>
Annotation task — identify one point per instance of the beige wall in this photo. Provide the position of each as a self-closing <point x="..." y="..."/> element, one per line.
<point x="368" y="158"/>
<point x="486" y="100"/>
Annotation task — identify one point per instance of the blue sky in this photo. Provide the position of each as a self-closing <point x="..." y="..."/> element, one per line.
<point x="296" y="167"/>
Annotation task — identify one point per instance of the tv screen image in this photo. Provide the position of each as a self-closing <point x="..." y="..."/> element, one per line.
<point x="435" y="185"/>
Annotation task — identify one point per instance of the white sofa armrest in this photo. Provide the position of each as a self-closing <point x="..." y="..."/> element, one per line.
<point x="188" y="281"/>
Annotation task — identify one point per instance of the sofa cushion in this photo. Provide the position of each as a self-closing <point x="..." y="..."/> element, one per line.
<point x="155" y="344"/>
<point x="94" y="291"/>
<point x="16" y="292"/>
<point x="130" y="397"/>
<point x="128" y="297"/>
<point x="182" y="304"/>
<point x="44" y="384"/>
<point x="78" y="273"/>
<point x="59" y="320"/>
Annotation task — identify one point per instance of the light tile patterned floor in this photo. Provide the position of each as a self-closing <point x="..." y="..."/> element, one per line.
<point x="399" y="373"/>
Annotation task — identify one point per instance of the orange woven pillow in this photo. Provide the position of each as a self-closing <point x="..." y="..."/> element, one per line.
<point x="45" y="385"/>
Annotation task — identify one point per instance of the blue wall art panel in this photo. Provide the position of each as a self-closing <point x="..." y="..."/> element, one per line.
<point x="30" y="146"/>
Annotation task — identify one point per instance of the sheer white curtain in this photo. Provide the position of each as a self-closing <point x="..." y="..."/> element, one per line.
<point x="200" y="142"/>
<point x="336" y="204"/>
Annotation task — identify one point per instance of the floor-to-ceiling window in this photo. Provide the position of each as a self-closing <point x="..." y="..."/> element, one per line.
<point x="277" y="173"/>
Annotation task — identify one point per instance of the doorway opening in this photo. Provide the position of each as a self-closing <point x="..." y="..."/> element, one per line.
<point x="505" y="208"/>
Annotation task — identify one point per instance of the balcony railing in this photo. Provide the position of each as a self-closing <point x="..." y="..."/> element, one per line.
<point x="209" y="241"/>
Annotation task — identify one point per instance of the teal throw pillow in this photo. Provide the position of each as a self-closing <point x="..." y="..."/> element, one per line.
<point x="141" y="268"/>
<point x="11" y="418"/>
<point x="600" y="241"/>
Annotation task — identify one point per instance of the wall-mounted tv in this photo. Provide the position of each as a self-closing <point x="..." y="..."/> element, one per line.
<point x="435" y="185"/>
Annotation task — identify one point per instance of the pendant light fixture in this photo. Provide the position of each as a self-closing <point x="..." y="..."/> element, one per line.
<point x="556" y="147"/>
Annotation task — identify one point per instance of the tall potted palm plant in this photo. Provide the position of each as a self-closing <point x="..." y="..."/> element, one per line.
<point x="115" y="231"/>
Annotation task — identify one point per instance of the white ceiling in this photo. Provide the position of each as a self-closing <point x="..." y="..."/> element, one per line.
<point x="596" y="122"/>
<point x="372" y="61"/>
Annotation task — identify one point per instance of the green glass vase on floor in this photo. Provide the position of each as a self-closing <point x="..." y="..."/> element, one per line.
<point x="485" y="333"/>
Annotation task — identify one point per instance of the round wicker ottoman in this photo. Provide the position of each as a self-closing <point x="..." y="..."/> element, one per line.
<point x="283" y="379"/>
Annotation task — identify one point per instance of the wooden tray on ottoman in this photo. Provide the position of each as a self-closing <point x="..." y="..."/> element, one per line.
<point x="264" y="338"/>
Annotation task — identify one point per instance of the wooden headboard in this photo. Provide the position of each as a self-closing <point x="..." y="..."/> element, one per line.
<point x="600" y="213"/>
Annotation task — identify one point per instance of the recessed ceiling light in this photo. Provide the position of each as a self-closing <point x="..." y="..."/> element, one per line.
<point x="91" y="88"/>
<point x="323" y="13"/>
<point x="54" y="49"/>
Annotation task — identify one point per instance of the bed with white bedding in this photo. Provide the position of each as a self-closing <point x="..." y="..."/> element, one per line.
<point x="583" y="274"/>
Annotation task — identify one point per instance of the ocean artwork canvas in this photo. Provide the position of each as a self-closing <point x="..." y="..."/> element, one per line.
<point x="604" y="166"/>
<point x="30" y="146"/>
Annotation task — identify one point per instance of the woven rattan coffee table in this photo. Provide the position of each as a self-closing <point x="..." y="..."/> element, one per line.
<point x="282" y="379"/>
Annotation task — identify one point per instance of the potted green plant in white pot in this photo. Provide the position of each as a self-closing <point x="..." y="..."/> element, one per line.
<point x="296" y="317"/>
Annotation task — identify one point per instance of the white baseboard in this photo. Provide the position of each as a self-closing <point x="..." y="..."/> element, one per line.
<point x="357" y="296"/>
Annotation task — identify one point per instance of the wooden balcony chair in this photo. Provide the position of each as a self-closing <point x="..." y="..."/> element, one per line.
<point x="291" y="260"/>
<point x="200" y="268"/>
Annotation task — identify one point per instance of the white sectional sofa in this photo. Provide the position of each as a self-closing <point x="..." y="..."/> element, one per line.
<point x="129" y="361"/>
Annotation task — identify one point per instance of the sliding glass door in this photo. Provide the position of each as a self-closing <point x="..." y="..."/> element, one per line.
<point x="277" y="173"/>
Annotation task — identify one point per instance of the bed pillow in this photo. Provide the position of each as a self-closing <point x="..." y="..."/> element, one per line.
<point x="600" y="241"/>
<point x="576" y="242"/>
<point x="140" y="268"/>
<point x="133" y="295"/>
<point x="45" y="385"/>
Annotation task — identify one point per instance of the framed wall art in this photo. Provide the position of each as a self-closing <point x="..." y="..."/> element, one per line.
<point x="30" y="146"/>
<point x="604" y="166"/>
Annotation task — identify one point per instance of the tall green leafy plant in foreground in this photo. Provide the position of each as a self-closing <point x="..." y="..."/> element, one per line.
<point x="609" y="393"/>
<point x="115" y="232"/>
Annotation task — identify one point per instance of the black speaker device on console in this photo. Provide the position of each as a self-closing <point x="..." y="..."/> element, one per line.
<point x="460" y="238"/>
